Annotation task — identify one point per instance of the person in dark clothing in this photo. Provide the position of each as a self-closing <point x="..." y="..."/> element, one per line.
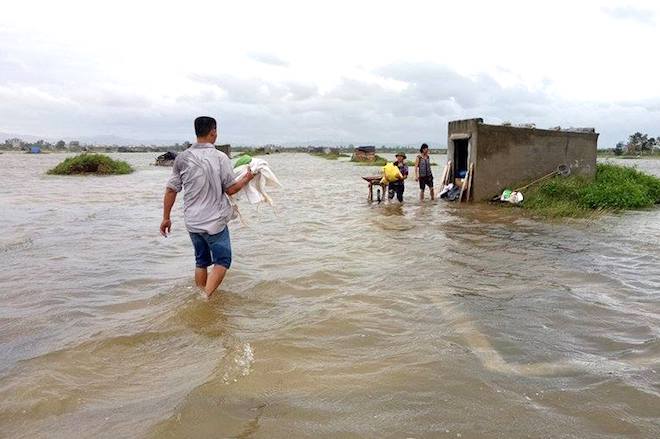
<point x="397" y="187"/>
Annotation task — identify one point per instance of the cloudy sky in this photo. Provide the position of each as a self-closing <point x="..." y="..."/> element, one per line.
<point x="334" y="71"/>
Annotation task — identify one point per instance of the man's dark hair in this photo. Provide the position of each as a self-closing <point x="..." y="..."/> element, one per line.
<point x="421" y="148"/>
<point x="204" y="125"/>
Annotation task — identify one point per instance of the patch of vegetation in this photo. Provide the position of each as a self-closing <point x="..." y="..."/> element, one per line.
<point x="614" y="188"/>
<point x="91" y="164"/>
<point x="378" y="161"/>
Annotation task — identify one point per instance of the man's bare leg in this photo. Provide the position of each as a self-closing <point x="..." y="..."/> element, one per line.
<point x="432" y="193"/>
<point x="200" y="277"/>
<point x="215" y="279"/>
<point x="421" y="195"/>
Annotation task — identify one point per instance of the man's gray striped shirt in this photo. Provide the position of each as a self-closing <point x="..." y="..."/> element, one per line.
<point x="204" y="174"/>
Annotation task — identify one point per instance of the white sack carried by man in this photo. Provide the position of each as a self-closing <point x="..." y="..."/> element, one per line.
<point x="256" y="190"/>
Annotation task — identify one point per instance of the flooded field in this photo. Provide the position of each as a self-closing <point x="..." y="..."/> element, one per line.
<point x="338" y="318"/>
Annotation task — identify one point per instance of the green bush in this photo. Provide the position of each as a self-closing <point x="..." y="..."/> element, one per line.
<point x="614" y="188"/>
<point x="91" y="164"/>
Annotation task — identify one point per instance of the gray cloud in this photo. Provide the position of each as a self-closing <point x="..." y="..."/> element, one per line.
<point x="254" y="110"/>
<point x="433" y="95"/>
<point x="268" y="58"/>
<point x="627" y="12"/>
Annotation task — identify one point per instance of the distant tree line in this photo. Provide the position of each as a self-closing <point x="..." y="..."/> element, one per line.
<point x="16" y="144"/>
<point x="638" y="144"/>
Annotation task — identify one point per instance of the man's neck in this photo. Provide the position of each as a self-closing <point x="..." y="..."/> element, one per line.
<point x="203" y="140"/>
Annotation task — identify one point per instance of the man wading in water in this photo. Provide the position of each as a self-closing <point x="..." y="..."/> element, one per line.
<point x="423" y="172"/>
<point x="206" y="175"/>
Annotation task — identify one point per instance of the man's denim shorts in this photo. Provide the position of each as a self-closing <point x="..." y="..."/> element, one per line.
<point x="212" y="249"/>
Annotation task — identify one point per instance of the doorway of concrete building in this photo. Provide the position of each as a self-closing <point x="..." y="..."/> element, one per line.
<point x="461" y="150"/>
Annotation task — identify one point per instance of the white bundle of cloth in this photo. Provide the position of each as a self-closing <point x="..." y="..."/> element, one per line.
<point x="256" y="190"/>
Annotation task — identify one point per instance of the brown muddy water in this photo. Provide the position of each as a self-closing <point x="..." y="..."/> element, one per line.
<point x="338" y="319"/>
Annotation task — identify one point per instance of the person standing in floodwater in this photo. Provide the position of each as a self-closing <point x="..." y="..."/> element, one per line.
<point x="397" y="187"/>
<point x="206" y="175"/>
<point x="423" y="172"/>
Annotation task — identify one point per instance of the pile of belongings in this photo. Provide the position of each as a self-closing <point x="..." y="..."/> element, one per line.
<point x="513" y="197"/>
<point x="451" y="192"/>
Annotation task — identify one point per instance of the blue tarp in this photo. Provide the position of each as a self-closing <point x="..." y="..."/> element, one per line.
<point x="35" y="150"/>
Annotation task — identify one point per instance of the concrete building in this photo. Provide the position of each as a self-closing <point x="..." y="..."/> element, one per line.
<point x="319" y="149"/>
<point x="505" y="156"/>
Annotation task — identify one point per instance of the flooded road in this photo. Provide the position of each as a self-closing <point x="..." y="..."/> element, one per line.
<point x="337" y="319"/>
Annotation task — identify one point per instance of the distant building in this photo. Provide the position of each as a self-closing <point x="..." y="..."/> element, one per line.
<point x="166" y="159"/>
<point x="504" y="156"/>
<point x="319" y="149"/>
<point x="35" y="150"/>
<point x="15" y="143"/>
<point x="224" y="148"/>
<point x="364" y="154"/>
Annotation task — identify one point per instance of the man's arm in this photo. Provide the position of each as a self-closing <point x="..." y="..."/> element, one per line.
<point x="174" y="186"/>
<point x="231" y="190"/>
<point x="168" y="202"/>
<point x="417" y="168"/>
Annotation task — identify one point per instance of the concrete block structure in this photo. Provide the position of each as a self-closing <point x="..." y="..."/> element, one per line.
<point x="505" y="156"/>
<point x="364" y="154"/>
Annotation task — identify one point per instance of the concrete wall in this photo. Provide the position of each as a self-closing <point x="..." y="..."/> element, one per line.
<point x="461" y="128"/>
<point x="506" y="156"/>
